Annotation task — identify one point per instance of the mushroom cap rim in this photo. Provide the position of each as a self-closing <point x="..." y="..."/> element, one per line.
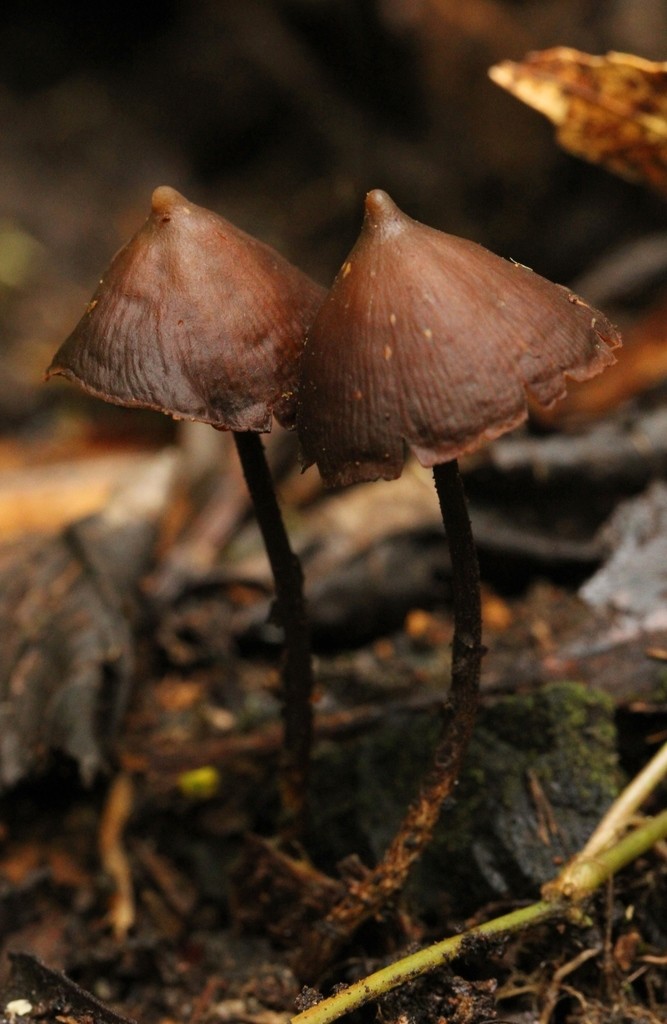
<point x="135" y="403"/>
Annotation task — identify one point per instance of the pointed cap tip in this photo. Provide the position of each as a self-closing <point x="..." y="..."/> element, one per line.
<point x="379" y="204"/>
<point x="383" y="213"/>
<point x="165" y="198"/>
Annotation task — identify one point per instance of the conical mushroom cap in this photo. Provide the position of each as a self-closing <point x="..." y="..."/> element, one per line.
<point x="431" y="340"/>
<point x="196" y="319"/>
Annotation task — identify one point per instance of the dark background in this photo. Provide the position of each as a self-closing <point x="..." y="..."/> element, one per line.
<point x="281" y="115"/>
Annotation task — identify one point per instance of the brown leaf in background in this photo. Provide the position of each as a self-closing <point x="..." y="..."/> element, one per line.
<point x="609" y="110"/>
<point x="66" y="638"/>
<point x="49" y="996"/>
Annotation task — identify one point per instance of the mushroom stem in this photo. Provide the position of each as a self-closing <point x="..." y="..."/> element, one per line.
<point x="297" y="670"/>
<point x="460" y="709"/>
<point x="467" y="649"/>
<point x="368" y="897"/>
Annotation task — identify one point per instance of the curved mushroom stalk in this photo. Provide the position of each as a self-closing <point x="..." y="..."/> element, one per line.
<point x="431" y="341"/>
<point x="197" y="319"/>
<point x="297" y="672"/>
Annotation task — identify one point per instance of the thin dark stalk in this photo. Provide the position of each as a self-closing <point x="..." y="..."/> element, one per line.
<point x="467" y="649"/>
<point x="297" y="669"/>
<point x="366" y="898"/>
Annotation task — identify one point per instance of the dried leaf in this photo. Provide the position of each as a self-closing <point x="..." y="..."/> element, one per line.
<point x="49" y="996"/>
<point x="44" y="498"/>
<point x="610" y="110"/>
<point x="66" y="644"/>
<point x="633" y="581"/>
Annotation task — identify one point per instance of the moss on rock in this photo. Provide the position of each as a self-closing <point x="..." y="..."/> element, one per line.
<point x="541" y="771"/>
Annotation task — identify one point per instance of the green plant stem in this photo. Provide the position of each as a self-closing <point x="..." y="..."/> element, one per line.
<point x="413" y="966"/>
<point x="620" y="813"/>
<point x="591" y="875"/>
<point x="584" y="874"/>
<point x="297" y="669"/>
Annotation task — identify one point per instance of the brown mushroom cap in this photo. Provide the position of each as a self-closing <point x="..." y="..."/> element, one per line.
<point x="196" y="319"/>
<point x="431" y="340"/>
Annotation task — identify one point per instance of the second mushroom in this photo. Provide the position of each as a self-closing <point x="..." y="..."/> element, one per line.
<point x="199" y="320"/>
<point x="430" y="342"/>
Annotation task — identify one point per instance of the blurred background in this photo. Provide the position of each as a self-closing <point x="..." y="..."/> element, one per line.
<point x="280" y="114"/>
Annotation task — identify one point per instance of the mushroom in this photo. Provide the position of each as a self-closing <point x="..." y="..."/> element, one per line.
<point x="431" y="342"/>
<point x="199" y="320"/>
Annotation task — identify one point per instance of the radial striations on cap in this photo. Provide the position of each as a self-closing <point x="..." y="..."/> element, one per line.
<point x="196" y="319"/>
<point x="432" y="341"/>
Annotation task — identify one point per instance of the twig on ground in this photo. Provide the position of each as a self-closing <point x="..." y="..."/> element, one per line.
<point x="113" y="857"/>
<point x="584" y="877"/>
